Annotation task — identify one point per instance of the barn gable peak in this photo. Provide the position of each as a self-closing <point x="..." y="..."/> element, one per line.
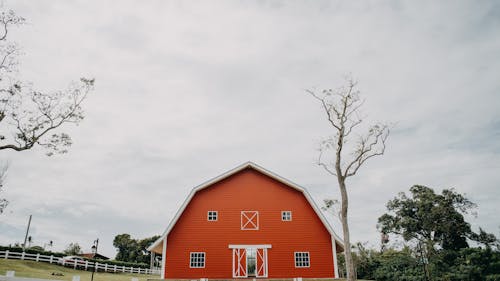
<point x="155" y="247"/>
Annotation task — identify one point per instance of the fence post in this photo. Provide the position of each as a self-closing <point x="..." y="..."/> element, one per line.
<point x="22" y="256"/>
<point x="51" y="258"/>
<point x="131" y="269"/>
<point x="123" y="268"/>
<point x="74" y="261"/>
<point x="115" y="268"/>
<point x="86" y="264"/>
<point x="105" y="267"/>
<point x="96" y="267"/>
<point x="37" y="257"/>
<point x="6" y="254"/>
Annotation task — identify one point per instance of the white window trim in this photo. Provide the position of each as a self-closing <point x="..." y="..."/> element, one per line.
<point x="241" y="221"/>
<point x="282" y="215"/>
<point x="204" y="259"/>
<point x="216" y="215"/>
<point x="295" y="259"/>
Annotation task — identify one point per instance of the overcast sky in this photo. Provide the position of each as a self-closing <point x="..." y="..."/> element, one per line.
<point x="186" y="90"/>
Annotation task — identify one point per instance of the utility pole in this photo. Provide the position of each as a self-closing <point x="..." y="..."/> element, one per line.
<point x="94" y="250"/>
<point x="26" y="236"/>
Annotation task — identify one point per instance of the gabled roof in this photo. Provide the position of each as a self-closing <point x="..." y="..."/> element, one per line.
<point x="94" y="256"/>
<point x="231" y="172"/>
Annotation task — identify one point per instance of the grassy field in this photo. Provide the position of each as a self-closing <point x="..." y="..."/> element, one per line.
<point x="44" y="271"/>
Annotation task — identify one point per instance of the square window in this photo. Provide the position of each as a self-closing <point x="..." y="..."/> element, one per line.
<point x="302" y="259"/>
<point x="286" y="215"/>
<point x="249" y="220"/>
<point x="212" y="216"/>
<point x="197" y="260"/>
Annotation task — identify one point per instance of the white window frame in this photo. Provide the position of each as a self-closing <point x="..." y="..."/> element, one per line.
<point x="212" y="213"/>
<point x="286" y="215"/>
<point x="245" y="226"/>
<point x="308" y="260"/>
<point x="196" y="264"/>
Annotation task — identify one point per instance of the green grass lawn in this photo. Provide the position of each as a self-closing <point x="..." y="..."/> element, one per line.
<point x="44" y="271"/>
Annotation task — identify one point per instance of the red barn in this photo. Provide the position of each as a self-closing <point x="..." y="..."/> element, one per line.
<point x="248" y="222"/>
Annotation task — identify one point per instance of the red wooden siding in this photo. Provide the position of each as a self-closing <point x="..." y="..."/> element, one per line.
<point x="249" y="190"/>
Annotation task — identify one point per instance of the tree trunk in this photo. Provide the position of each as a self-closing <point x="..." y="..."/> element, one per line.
<point x="351" y="275"/>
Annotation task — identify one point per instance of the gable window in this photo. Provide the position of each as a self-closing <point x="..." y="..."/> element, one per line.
<point x="302" y="259"/>
<point x="212" y="216"/>
<point x="286" y="215"/>
<point x="249" y="220"/>
<point x="197" y="260"/>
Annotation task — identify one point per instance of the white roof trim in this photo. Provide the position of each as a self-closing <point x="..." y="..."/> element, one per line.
<point x="232" y="172"/>
<point x="262" y="246"/>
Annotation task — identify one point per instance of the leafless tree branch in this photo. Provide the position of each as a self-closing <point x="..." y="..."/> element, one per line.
<point x="342" y="108"/>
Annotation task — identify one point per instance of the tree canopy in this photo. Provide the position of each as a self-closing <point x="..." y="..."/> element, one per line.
<point x="428" y="217"/>
<point x="133" y="250"/>
<point x="73" y="249"/>
<point x="436" y="226"/>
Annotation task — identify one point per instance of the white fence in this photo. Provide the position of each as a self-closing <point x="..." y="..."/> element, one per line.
<point x="77" y="264"/>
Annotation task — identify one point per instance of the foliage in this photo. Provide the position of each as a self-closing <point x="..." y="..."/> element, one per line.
<point x="471" y="264"/>
<point x="133" y="250"/>
<point x="434" y="222"/>
<point x="73" y="249"/>
<point x="432" y="219"/>
<point x="32" y="250"/>
<point x="30" y="117"/>
<point x="37" y="248"/>
<point x="467" y="264"/>
<point x="365" y="260"/>
<point x="397" y="265"/>
<point x="123" y="263"/>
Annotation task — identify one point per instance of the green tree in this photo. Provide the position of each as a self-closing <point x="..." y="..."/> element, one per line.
<point x="132" y="250"/>
<point x="126" y="247"/>
<point x="430" y="221"/>
<point x="348" y="148"/>
<point x="73" y="249"/>
<point x="143" y="245"/>
<point x="397" y="265"/>
<point x="36" y="248"/>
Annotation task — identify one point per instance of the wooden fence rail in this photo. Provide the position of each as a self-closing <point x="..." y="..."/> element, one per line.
<point x="77" y="264"/>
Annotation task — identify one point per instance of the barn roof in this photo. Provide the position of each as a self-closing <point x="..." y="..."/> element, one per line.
<point x="157" y="245"/>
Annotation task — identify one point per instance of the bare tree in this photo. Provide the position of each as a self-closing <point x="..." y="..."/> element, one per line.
<point x="29" y="117"/>
<point x="3" y="173"/>
<point x="343" y="153"/>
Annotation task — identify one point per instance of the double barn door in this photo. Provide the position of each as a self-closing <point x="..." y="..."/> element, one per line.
<point x="249" y="262"/>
